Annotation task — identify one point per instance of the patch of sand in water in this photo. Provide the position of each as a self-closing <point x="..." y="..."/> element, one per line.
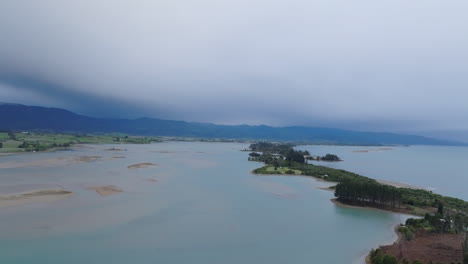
<point x="49" y="162"/>
<point x="372" y="150"/>
<point x="141" y="165"/>
<point x="33" y="196"/>
<point x="105" y="190"/>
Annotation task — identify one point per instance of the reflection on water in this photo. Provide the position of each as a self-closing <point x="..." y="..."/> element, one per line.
<point x="200" y="204"/>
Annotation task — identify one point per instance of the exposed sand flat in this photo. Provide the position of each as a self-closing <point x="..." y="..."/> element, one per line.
<point x="49" y="162"/>
<point x="371" y="150"/>
<point x="86" y="158"/>
<point x="164" y="151"/>
<point x="383" y="149"/>
<point x="115" y="149"/>
<point x="141" y="165"/>
<point x="106" y="190"/>
<point x="33" y="196"/>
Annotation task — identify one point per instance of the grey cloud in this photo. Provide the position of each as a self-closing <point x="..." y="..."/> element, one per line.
<point x="365" y="64"/>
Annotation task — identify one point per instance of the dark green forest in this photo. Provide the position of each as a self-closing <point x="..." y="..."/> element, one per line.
<point x="368" y="193"/>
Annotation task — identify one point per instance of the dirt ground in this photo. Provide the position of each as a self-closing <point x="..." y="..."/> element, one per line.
<point x="426" y="247"/>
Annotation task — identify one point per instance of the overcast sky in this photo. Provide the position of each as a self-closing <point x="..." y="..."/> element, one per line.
<point x="364" y="64"/>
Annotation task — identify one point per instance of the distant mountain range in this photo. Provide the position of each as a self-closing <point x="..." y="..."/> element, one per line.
<point x="21" y="117"/>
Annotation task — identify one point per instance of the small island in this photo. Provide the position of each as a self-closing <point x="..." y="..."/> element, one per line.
<point x="438" y="235"/>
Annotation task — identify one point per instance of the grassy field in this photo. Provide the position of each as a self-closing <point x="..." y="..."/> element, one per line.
<point x="4" y="136"/>
<point x="29" y="141"/>
<point x="282" y="170"/>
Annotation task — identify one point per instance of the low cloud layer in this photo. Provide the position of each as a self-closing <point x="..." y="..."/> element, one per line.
<point x="379" y="65"/>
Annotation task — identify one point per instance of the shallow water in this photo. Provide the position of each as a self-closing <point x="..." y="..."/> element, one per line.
<point x="441" y="169"/>
<point x="205" y="207"/>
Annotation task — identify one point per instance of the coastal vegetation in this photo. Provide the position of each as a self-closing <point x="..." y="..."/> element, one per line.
<point x="328" y="157"/>
<point x="351" y="187"/>
<point x="378" y="257"/>
<point x="368" y="193"/>
<point x="34" y="141"/>
<point x="269" y="147"/>
<point x="443" y="215"/>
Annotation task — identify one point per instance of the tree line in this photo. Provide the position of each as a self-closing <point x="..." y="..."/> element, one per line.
<point x="328" y="157"/>
<point x="286" y="152"/>
<point x="278" y="148"/>
<point x="369" y="193"/>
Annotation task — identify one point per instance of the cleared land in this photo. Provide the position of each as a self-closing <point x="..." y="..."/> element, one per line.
<point x="282" y="170"/>
<point x="427" y="247"/>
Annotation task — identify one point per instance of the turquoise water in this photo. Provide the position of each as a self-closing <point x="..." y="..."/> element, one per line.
<point x="205" y="208"/>
<point x="441" y="169"/>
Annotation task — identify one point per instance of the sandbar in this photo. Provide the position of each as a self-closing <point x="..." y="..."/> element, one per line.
<point x="371" y="150"/>
<point x="33" y="196"/>
<point x="141" y="165"/>
<point x="115" y="149"/>
<point x="105" y="190"/>
<point x="49" y="162"/>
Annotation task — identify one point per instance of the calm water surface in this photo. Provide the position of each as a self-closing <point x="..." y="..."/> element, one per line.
<point x="205" y="207"/>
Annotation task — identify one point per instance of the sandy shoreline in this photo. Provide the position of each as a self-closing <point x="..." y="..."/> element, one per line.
<point x="33" y="196"/>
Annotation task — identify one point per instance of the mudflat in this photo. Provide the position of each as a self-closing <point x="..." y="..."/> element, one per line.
<point x="141" y="165"/>
<point x="105" y="190"/>
<point x="33" y="196"/>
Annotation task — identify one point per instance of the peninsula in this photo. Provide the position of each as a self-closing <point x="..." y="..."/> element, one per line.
<point x="438" y="235"/>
